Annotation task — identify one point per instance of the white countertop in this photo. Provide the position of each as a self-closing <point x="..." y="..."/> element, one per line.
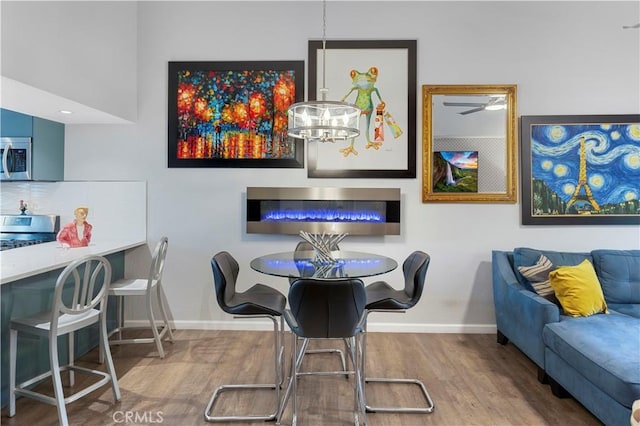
<point x="24" y="262"/>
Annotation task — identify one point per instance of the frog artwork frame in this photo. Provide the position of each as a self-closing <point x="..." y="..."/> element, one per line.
<point x="386" y="146"/>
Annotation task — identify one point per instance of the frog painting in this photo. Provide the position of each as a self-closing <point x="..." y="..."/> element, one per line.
<point x="364" y="85"/>
<point x="379" y="78"/>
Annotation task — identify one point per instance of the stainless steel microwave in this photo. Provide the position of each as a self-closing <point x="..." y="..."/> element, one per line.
<point x="16" y="158"/>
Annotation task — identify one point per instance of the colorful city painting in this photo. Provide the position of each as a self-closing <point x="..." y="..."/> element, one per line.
<point x="584" y="169"/>
<point x="233" y="114"/>
<point x="455" y="171"/>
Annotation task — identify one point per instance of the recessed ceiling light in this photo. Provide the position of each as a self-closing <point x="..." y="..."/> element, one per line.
<point x="64" y="111"/>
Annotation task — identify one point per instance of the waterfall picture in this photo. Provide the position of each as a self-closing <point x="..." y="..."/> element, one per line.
<point x="455" y="171"/>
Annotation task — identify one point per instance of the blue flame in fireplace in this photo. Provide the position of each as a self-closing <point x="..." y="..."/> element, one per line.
<point x="322" y="215"/>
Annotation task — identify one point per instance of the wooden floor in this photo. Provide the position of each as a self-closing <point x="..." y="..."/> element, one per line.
<point x="472" y="380"/>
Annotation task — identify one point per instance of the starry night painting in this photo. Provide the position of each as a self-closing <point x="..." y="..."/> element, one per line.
<point x="233" y="114"/>
<point x="582" y="170"/>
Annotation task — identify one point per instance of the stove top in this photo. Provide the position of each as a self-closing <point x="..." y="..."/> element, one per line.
<point x="26" y="230"/>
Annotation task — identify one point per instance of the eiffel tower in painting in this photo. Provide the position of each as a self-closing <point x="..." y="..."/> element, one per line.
<point x="582" y="182"/>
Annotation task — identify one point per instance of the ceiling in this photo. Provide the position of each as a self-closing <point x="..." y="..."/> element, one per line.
<point x="20" y="97"/>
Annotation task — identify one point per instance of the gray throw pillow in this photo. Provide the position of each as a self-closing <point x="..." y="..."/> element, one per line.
<point x="538" y="276"/>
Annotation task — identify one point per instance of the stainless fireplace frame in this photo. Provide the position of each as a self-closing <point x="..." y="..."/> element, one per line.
<point x="389" y="195"/>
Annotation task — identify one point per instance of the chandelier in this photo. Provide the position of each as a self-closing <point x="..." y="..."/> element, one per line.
<point x="323" y="121"/>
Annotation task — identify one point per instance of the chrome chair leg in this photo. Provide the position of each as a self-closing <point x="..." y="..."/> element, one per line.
<point x="163" y="312"/>
<point x="158" y="330"/>
<point x="336" y="351"/>
<point x="298" y="352"/>
<point x="278" y="330"/>
<point x="428" y="408"/>
<point x="359" y="405"/>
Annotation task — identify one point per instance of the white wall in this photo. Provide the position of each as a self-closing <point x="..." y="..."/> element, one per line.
<point x="566" y="57"/>
<point x="117" y="210"/>
<point x="81" y="51"/>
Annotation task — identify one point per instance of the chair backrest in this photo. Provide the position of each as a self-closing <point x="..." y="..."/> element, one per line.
<point x="414" y="269"/>
<point x="327" y="308"/>
<point x="80" y="287"/>
<point x="157" y="262"/>
<point x="225" y="274"/>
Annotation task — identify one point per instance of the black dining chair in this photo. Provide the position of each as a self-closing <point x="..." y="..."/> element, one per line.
<point x="259" y="301"/>
<point x="307" y="271"/>
<point x="321" y="309"/>
<point x="382" y="297"/>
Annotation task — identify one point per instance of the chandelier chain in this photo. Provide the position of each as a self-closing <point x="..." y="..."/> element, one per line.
<point x="323" y="89"/>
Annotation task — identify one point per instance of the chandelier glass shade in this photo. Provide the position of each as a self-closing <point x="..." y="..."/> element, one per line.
<point x="324" y="121"/>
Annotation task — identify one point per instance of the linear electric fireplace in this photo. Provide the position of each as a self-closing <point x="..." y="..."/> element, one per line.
<point x="357" y="211"/>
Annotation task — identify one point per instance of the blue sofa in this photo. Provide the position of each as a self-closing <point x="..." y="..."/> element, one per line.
<point x="596" y="359"/>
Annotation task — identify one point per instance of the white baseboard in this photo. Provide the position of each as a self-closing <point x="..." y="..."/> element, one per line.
<point x="250" y="325"/>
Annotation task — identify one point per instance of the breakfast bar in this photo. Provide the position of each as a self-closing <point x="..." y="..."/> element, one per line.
<point x="28" y="276"/>
<point x="30" y="261"/>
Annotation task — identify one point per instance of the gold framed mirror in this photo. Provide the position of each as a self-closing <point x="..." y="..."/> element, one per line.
<point x="469" y="145"/>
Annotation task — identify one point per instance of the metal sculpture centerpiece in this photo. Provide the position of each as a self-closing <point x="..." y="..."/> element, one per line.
<point x="322" y="245"/>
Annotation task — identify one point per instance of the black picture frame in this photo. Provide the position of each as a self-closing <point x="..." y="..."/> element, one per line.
<point x="361" y="55"/>
<point x="233" y="114"/>
<point x="554" y="155"/>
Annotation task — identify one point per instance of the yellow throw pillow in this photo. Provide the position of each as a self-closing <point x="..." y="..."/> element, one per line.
<point x="578" y="290"/>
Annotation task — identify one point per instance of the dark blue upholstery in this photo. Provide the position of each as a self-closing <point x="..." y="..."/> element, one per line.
<point x="619" y="275"/>
<point x="257" y="300"/>
<point x="326" y="309"/>
<point x="595" y="358"/>
<point x="591" y="352"/>
<point x="380" y="295"/>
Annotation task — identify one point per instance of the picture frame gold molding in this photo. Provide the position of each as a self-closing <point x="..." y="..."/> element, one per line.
<point x="509" y="194"/>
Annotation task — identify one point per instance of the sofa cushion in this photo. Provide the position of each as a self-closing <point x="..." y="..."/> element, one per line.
<point x="537" y="276"/>
<point x="578" y="289"/>
<point x="603" y="348"/>
<point x="632" y="309"/>
<point x="619" y="274"/>
<point x="524" y="256"/>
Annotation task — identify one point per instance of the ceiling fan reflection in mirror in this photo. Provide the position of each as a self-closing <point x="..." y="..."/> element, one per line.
<point x="495" y="102"/>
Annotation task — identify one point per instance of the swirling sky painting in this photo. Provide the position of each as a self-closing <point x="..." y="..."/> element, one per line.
<point x="585" y="168"/>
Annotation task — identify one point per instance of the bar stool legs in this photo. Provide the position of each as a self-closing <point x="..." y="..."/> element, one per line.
<point x="426" y="409"/>
<point x="278" y="332"/>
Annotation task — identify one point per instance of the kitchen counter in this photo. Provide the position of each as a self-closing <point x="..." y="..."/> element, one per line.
<point x="24" y="262"/>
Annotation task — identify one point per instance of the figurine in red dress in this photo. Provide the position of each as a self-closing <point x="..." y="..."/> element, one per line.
<point x="78" y="232"/>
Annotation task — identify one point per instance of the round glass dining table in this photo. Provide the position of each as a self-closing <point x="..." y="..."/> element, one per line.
<point x="302" y="264"/>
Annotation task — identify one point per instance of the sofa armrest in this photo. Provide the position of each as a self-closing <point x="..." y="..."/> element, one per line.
<point x="520" y="314"/>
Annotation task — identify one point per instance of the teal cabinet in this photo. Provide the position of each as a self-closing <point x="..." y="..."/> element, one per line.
<point x="47" y="150"/>
<point x="47" y="137"/>
<point x="15" y="124"/>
